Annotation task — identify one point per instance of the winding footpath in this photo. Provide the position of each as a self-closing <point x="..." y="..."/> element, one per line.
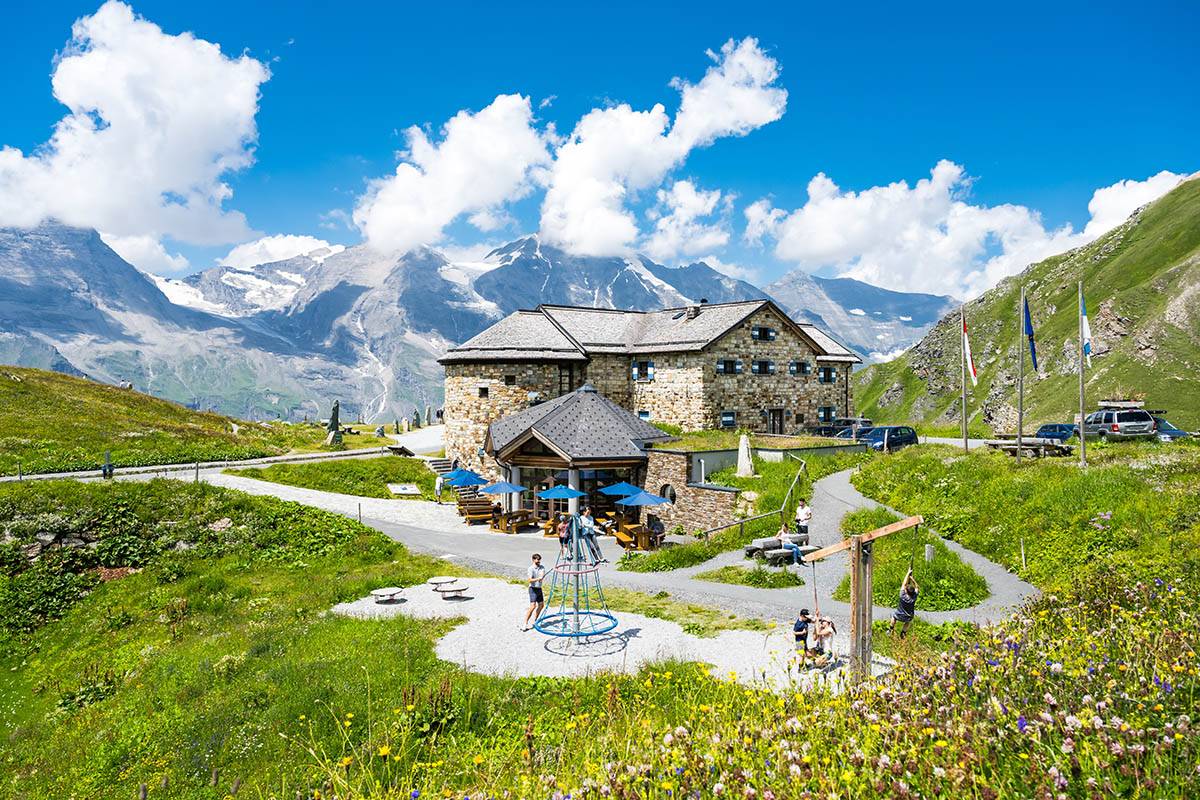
<point x="437" y="530"/>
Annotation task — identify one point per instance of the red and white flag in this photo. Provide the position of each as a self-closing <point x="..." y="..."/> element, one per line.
<point x="967" y="354"/>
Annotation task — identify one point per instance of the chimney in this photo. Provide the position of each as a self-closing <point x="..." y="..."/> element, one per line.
<point x="693" y="312"/>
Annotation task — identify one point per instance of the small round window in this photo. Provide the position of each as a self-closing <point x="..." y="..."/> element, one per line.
<point x="668" y="492"/>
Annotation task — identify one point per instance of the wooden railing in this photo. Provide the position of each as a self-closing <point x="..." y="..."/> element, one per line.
<point x="741" y="523"/>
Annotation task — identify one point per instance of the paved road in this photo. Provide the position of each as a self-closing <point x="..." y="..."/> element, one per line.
<point x="422" y="440"/>
<point x="425" y="527"/>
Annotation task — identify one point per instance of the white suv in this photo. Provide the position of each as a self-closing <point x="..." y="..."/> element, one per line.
<point x="1133" y="424"/>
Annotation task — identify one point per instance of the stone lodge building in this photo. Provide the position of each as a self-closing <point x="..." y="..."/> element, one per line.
<point x="732" y="365"/>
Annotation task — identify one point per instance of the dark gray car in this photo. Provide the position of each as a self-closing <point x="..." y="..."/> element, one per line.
<point x="1131" y="424"/>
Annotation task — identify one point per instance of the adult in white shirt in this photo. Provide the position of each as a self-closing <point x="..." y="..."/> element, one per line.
<point x="536" y="600"/>
<point x="803" y="516"/>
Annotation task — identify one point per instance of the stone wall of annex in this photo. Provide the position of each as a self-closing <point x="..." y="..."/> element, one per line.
<point x="696" y="508"/>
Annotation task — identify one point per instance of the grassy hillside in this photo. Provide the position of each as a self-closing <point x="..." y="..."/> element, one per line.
<point x="215" y="672"/>
<point x="51" y="422"/>
<point x="367" y="477"/>
<point x="1142" y="284"/>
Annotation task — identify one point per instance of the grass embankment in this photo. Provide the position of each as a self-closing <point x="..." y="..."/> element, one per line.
<point x="946" y="583"/>
<point x="1133" y="511"/>
<point x="696" y="620"/>
<point x="729" y="440"/>
<point x="221" y="658"/>
<point x="51" y="422"/>
<point x="771" y="484"/>
<point x="759" y="577"/>
<point x="364" y="477"/>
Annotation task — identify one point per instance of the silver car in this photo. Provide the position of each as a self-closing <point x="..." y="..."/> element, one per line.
<point x="1132" y="424"/>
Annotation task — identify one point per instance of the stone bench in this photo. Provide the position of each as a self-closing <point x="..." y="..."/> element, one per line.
<point x="387" y="594"/>
<point x="451" y="590"/>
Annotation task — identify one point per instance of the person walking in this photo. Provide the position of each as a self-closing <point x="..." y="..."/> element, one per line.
<point x="438" y="485"/>
<point x="537" y="601"/>
<point x="906" y="606"/>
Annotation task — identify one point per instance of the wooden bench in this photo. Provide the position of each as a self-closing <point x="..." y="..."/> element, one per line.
<point x="512" y="522"/>
<point x="478" y="516"/>
<point x="625" y="540"/>
<point x="387" y="594"/>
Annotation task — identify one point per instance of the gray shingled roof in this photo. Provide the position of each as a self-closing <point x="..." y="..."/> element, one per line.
<point x="521" y="336"/>
<point x="566" y="333"/>
<point x="583" y="424"/>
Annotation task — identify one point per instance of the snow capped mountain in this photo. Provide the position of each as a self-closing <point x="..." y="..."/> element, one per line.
<point x="288" y="337"/>
<point x="878" y="323"/>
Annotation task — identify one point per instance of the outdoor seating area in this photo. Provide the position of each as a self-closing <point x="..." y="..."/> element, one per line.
<point x="1031" y="446"/>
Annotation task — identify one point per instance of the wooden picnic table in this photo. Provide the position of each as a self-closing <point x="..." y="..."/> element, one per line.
<point x="1030" y="445"/>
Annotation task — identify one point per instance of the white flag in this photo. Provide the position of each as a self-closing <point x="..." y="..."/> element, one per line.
<point x="1087" y="330"/>
<point x="967" y="354"/>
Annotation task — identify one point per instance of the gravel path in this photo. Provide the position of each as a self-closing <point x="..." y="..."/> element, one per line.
<point x="491" y="641"/>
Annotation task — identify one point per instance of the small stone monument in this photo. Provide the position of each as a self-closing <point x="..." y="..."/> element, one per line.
<point x="416" y="418"/>
<point x="379" y="432"/>
<point x="404" y="425"/>
<point x="428" y="415"/>
<point x="397" y="426"/>
<point x="745" y="464"/>
<point x="334" y="427"/>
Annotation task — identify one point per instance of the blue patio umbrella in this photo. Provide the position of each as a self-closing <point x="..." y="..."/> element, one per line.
<point x="643" y="499"/>
<point x="503" y="487"/>
<point x="560" y="492"/>
<point x="468" y="480"/>
<point x="458" y="473"/>
<point x="621" y="489"/>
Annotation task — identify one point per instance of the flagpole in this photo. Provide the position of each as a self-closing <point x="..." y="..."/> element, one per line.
<point x="1020" y="374"/>
<point x="1082" y="445"/>
<point x="962" y="345"/>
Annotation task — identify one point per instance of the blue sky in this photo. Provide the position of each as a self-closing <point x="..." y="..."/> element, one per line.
<point x="1039" y="104"/>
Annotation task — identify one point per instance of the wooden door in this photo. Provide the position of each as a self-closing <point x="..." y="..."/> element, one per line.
<point x="775" y="420"/>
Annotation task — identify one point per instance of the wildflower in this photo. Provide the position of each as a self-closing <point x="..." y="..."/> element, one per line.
<point x="385" y="750"/>
<point x="1021" y="723"/>
<point x="346" y="761"/>
<point x="478" y="759"/>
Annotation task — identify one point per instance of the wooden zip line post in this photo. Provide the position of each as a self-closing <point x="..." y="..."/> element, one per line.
<point x="862" y="604"/>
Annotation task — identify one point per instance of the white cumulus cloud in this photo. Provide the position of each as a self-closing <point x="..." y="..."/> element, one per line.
<point x="155" y="122"/>
<point x="928" y="237"/>
<point x="275" y="248"/>
<point x="616" y="151"/>
<point x="679" y="228"/>
<point x="146" y="253"/>
<point x="484" y="160"/>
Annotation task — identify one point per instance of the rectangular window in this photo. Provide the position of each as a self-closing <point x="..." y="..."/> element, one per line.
<point x="799" y="368"/>
<point x="510" y="380"/>
<point x="761" y="333"/>
<point x="729" y="366"/>
<point x="643" y="415"/>
<point x="827" y="375"/>
<point x="762" y="367"/>
<point x="641" y="370"/>
<point x="826" y="413"/>
<point x="566" y="378"/>
<point x="483" y="392"/>
<point x="728" y="419"/>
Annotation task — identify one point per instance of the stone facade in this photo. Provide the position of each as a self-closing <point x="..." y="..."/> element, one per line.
<point x="696" y="508"/>
<point x="687" y="389"/>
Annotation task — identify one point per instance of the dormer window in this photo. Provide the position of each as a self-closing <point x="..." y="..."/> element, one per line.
<point x="761" y="333"/>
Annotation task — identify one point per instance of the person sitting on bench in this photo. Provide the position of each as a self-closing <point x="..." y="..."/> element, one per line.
<point x="786" y="544"/>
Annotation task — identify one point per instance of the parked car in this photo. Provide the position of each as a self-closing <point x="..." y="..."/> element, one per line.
<point x="839" y="424"/>
<point x="1168" y="432"/>
<point x="1132" y="424"/>
<point x="851" y="433"/>
<point x="893" y="436"/>
<point x="1056" y="430"/>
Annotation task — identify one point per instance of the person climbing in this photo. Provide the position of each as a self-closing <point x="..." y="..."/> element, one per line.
<point x="800" y="631"/>
<point x="906" y="606"/>
<point x="588" y="529"/>
<point x="562" y="527"/>
<point x="438" y="485"/>
<point x="536" y="600"/>
<point x="803" y="516"/>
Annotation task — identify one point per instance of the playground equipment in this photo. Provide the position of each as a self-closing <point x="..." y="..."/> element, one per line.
<point x="861" y="599"/>
<point x="575" y="606"/>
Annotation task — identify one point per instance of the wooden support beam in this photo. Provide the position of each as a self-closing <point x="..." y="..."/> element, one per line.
<point x="870" y="536"/>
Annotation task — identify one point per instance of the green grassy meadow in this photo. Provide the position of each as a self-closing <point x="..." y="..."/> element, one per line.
<point x="364" y="477"/>
<point x="51" y="422"/>
<point x="758" y="576"/>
